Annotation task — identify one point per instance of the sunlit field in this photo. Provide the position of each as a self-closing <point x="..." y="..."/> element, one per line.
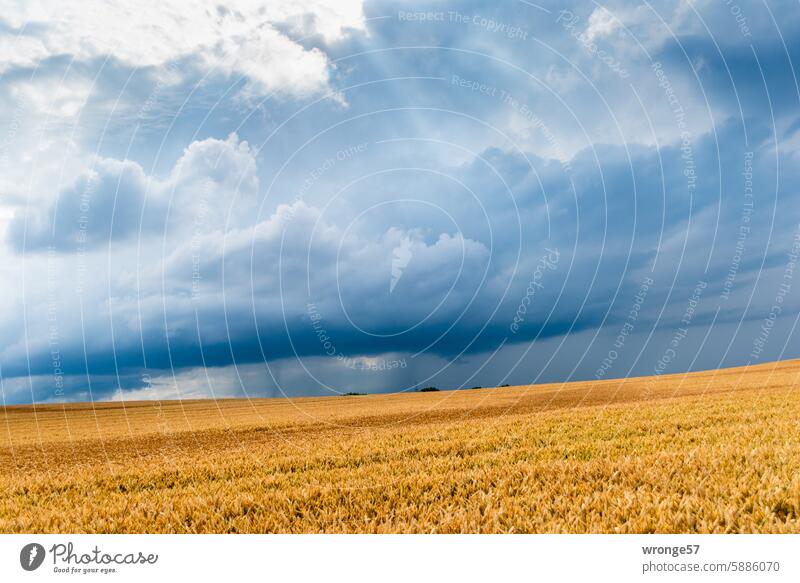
<point x="706" y="452"/>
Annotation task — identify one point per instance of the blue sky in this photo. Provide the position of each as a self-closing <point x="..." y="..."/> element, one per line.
<point x="310" y="198"/>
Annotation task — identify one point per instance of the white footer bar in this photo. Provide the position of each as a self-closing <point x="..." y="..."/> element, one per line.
<point x="406" y="558"/>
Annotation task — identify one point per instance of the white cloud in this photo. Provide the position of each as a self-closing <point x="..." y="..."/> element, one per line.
<point x="214" y="180"/>
<point x="244" y="41"/>
<point x="601" y="23"/>
<point x="52" y="97"/>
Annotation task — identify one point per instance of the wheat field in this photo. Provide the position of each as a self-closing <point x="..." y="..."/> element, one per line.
<point x="715" y="451"/>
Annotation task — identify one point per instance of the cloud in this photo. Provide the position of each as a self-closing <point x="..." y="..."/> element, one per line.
<point x="245" y="41"/>
<point x="55" y="99"/>
<point x="601" y="23"/>
<point x="199" y="277"/>
<point x="115" y="200"/>
<point x="411" y="225"/>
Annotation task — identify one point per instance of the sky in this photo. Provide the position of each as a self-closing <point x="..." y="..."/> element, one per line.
<point x="311" y="198"/>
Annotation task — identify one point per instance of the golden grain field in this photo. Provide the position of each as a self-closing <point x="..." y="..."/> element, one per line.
<point x="705" y="452"/>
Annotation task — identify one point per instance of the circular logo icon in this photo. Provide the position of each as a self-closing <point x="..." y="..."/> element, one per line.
<point x="31" y="556"/>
